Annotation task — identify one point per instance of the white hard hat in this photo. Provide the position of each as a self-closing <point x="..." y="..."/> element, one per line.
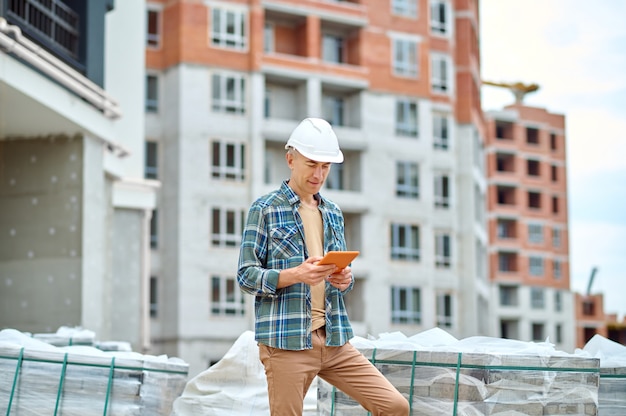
<point x="315" y="139"/>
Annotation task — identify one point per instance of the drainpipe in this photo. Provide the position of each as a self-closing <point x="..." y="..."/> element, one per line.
<point x="12" y="41"/>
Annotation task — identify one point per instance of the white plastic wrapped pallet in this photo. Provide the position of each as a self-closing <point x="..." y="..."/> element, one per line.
<point x="612" y="391"/>
<point x="39" y="378"/>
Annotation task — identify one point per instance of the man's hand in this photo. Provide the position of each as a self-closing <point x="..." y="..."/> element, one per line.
<point x="308" y="272"/>
<point x="342" y="279"/>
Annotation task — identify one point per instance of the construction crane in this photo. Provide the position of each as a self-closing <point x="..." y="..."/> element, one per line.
<point x="518" y="89"/>
<point x="593" y="275"/>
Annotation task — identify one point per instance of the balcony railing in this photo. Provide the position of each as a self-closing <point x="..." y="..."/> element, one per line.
<point x="52" y="21"/>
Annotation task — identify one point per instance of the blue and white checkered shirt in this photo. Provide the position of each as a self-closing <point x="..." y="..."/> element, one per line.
<point x="273" y="240"/>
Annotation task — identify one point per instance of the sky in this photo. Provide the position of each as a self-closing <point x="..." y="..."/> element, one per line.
<point x="576" y="51"/>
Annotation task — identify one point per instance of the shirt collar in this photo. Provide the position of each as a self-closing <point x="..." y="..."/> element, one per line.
<point x="293" y="197"/>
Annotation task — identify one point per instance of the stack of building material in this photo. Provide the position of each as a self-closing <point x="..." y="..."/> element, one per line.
<point x="66" y="336"/>
<point x="38" y="378"/>
<point x="612" y="391"/>
<point x="455" y="382"/>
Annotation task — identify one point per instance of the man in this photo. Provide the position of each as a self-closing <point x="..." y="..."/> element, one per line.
<point x="301" y="324"/>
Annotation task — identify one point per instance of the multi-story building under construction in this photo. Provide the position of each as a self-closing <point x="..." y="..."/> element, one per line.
<point x="399" y="81"/>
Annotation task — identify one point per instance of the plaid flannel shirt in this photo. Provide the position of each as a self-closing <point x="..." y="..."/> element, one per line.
<point x="273" y="240"/>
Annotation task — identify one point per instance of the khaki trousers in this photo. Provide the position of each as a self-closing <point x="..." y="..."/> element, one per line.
<point x="290" y="373"/>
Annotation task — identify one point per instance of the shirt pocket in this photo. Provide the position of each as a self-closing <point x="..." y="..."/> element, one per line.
<point x="284" y="242"/>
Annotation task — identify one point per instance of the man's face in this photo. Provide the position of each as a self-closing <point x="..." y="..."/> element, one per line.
<point x="307" y="176"/>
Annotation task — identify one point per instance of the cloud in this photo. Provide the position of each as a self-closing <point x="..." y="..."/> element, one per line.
<point x="596" y="143"/>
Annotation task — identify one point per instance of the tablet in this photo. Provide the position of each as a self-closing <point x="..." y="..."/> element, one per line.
<point x="341" y="259"/>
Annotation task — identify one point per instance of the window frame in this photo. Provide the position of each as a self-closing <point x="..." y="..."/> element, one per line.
<point x="441" y="131"/>
<point x="407" y="180"/>
<point x="233" y="227"/>
<point x="411" y="311"/>
<point x="220" y="101"/>
<point x="442" y="191"/>
<point x="443" y="250"/>
<point x="440" y="74"/>
<point x="406" y="8"/>
<point x="221" y="167"/>
<point x="535" y="233"/>
<point x="333" y="48"/>
<point x="405" y="57"/>
<point x="536" y="266"/>
<point x="445" y="310"/>
<point x="153" y="39"/>
<point x="537" y="298"/>
<point x="439" y="26"/>
<point x="228" y="301"/>
<point x="405" y="242"/>
<point x="221" y="38"/>
<point x="407" y="118"/>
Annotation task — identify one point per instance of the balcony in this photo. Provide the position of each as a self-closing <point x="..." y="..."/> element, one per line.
<point x="71" y="30"/>
<point x="52" y="24"/>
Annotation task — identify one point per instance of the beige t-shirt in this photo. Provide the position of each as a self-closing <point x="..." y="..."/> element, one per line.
<point x="314" y="240"/>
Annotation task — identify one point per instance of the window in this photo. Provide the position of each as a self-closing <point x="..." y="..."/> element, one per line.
<point x="444" y="311"/>
<point x="506" y="228"/>
<point x="226" y="227"/>
<point x="535" y="233"/>
<point x="556" y="269"/>
<point x="442" y="250"/>
<point x="507" y="262"/>
<point x="534" y="200"/>
<point x="405" y="305"/>
<point x="555" y="204"/>
<point x="439" y="19"/>
<point x="405" y="58"/>
<point x="505" y="195"/>
<point x="554" y="170"/>
<point x="153" y="25"/>
<point x="556" y="237"/>
<point x="532" y="136"/>
<point x="229" y="93"/>
<point x="537" y="298"/>
<point x="405" y="242"/>
<point x="226" y="297"/>
<point x="504" y="130"/>
<point x="505" y="162"/>
<point x="406" y="118"/>
<point x="509" y="328"/>
<point x="228" y="29"/>
<point x="154" y="297"/>
<point x="268" y="38"/>
<point x="508" y="296"/>
<point x="558" y="301"/>
<point x="440" y="131"/>
<point x="228" y="161"/>
<point x="553" y="142"/>
<point x="152" y="94"/>
<point x="154" y="230"/>
<point x="538" y="332"/>
<point x="589" y="307"/>
<point x="533" y="168"/>
<point x="407" y="180"/>
<point x="332" y="49"/>
<point x="535" y="266"/>
<point x="442" y="191"/>
<point x="440" y="78"/>
<point x="558" y="329"/>
<point x="333" y="109"/>
<point x="335" y="179"/>
<point x="151" y="161"/>
<point x="404" y="7"/>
